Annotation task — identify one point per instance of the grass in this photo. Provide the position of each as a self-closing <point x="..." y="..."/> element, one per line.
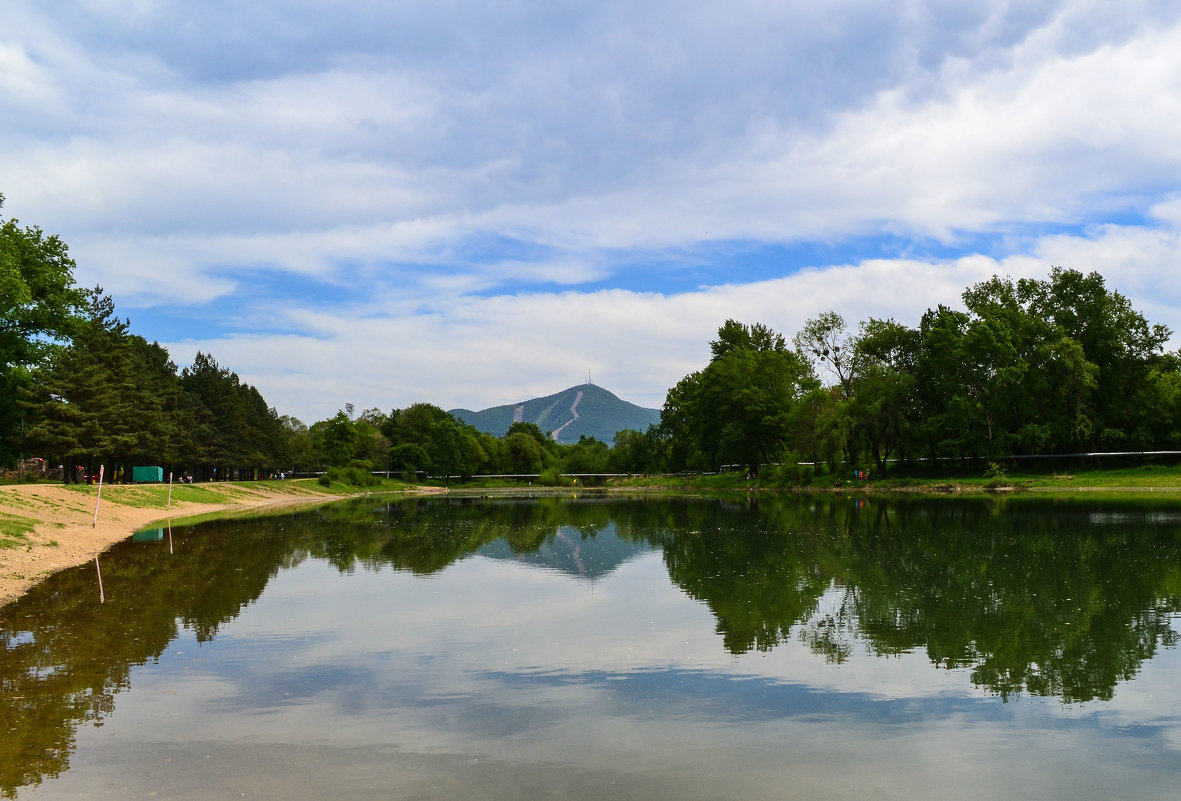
<point x="155" y="496"/>
<point x="343" y="488"/>
<point x="1150" y="478"/>
<point x="15" y="530"/>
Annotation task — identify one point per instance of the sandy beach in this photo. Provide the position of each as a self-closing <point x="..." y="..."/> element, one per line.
<point x="65" y="533"/>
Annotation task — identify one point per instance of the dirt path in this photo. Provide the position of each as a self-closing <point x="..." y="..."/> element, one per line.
<point x="64" y="533"/>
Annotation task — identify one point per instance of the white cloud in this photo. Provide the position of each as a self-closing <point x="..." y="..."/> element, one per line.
<point x="449" y="159"/>
<point x="459" y="350"/>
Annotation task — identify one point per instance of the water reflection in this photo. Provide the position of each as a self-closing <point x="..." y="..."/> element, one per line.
<point x="1040" y="598"/>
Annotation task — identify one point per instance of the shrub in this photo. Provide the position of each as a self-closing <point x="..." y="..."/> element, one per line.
<point x="997" y="475"/>
<point x="353" y="476"/>
<point x="788" y="473"/>
<point x="551" y="477"/>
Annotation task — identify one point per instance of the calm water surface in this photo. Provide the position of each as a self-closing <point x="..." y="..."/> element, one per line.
<point x="794" y="648"/>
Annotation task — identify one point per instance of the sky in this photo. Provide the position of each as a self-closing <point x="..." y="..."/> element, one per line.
<point x="473" y="204"/>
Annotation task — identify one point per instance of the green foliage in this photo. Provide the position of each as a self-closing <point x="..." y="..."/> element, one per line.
<point x="353" y="476"/>
<point x="997" y="475"/>
<point x="409" y="457"/>
<point x="87" y="401"/>
<point x="1062" y="365"/>
<point x="524" y="453"/>
<point x="424" y="437"/>
<point x="739" y="408"/>
<point x="788" y="472"/>
<point x="232" y="422"/>
<point x="1052" y="366"/>
<point x="636" y="452"/>
<point x="39" y="308"/>
<point x="588" y="455"/>
<point x="552" y="477"/>
<point x="824" y="342"/>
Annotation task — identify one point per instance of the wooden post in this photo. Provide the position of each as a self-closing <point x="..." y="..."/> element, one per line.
<point x="98" y="498"/>
<point x="170" y="489"/>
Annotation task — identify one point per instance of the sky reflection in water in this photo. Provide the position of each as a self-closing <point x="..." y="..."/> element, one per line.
<point x="674" y="649"/>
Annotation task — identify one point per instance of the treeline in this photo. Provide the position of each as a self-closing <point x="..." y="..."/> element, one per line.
<point x="1032" y="367"/>
<point x="79" y="389"/>
<point x="425" y="440"/>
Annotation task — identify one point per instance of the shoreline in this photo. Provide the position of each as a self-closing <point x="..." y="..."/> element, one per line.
<point x="46" y="528"/>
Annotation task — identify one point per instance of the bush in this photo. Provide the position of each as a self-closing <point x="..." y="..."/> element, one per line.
<point x="788" y="473"/>
<point x="352" y="476"/>
<point x="551" y="477"/>
<point x="997" y="476"/>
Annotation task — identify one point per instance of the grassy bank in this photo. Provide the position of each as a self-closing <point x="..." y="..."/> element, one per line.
<point x="46" y="527"/>
<point x="159" y="496"/>
<point x="1150" y="478"/>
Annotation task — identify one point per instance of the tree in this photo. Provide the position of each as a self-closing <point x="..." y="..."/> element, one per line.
<point x="734" y="336"/>
<point x="824" y="342"/>
<point x="523" y="452"/>
<point x="882" y="407"/>
<point x="448" y="449"/>
<point x="636" y="452"/>
<point x="237" y="431"/>
<point x="739" y="408"/>
<point x="943" y="411"/>
<point x="588" y="455"/>
<point x="340" y="440"/>
<point x="86" y="402"/>
<point x="39" y="308"/>
<point x="680" y="424"/>
<point x="300" y="445"/>
<point x="1123" y="346"/>
<point x="408" y="458"/>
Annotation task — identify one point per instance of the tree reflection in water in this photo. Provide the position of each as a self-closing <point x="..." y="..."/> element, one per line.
<point x="1032" y="596"/>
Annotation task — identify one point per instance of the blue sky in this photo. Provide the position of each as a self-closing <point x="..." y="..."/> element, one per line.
<point x="476" y="203"/>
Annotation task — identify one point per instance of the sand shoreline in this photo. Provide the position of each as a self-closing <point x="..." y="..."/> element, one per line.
<point x="65" y="533"/>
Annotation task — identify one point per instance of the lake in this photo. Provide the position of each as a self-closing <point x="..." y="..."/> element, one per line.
<point x="610" y="648"/>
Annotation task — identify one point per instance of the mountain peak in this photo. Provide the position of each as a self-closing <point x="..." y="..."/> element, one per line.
<point x="582" y="410"/>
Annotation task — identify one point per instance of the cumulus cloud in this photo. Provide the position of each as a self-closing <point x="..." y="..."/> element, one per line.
<point x="530" y="191"/>
<point x="473" y="352"/>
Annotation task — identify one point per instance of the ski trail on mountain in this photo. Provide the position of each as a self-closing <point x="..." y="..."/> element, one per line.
<point x="519" y="413"/>
<point x="573" y="411"/>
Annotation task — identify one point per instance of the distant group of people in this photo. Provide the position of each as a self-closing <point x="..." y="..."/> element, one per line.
<point x="861" y="475"/>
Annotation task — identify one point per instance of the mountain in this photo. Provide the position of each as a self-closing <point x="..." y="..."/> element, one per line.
<point x="583" y="410"/>
<point x="568" y="550"/>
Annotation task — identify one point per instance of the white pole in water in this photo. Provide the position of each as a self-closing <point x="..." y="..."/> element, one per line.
<point x="98" y="497"/>
<point x="170" y="489"/>
<point x="170" y="535"/>
<point x="102" y="599"/>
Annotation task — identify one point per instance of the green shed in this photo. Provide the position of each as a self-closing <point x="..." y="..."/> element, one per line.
<point x="147" y="475"/>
